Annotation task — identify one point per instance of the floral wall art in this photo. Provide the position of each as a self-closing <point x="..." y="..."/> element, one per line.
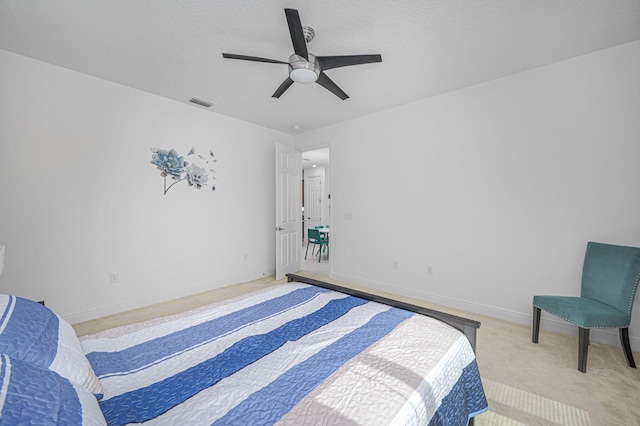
<point x="175" y="167"/>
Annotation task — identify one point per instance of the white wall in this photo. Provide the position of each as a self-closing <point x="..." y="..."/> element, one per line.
<point x="498" y="187"/>
<point x="80" y="199"/>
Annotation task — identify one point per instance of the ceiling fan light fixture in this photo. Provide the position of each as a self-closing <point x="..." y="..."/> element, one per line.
<point x="303" y="76"/>
<point x="303" y="71"/>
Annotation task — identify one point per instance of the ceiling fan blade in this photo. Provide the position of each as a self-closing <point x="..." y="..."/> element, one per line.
<point x="297" y="34"/>
<point x="252" y="58"/>
<point x="329" y="62"/>
<point x="324" y="81"/>
<point x="283" y="87"/>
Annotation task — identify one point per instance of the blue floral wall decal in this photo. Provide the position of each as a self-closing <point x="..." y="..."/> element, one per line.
<point x="174" y="166"/>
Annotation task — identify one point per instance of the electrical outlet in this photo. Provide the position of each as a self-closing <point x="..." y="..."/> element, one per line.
<point x="246" y="256"/>
<point x="114" y="277"/>
<point x="429" y="269"/>
<point x="395" y="264"/>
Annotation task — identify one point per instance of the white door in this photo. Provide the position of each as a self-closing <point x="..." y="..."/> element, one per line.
<point x="288" y="210"/>
<point x="313" y="201"/>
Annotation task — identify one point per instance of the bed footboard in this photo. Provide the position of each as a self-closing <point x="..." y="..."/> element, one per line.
<point x="467" y="326"/>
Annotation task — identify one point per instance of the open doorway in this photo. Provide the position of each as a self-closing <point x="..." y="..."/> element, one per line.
<point x="316" y="208"/>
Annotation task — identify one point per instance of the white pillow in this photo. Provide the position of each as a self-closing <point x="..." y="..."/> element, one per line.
<point x="32" y="333"/>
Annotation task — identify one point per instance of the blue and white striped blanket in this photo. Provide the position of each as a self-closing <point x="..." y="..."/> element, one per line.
<point x="291" y="354"/>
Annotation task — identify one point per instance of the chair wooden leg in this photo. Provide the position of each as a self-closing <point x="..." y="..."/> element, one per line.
<point x="583" y="348"/>
<point x="624" y="339"/>
<point x="307" y="251"/>
<point x="536" y="325"/>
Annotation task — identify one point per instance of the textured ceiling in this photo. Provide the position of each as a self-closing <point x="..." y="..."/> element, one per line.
<point x="173" y="48"/>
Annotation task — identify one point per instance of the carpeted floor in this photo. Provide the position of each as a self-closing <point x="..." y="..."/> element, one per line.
<point x="525" y="383"/>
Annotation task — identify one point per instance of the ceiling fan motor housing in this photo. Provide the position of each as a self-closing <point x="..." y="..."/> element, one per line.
<point x="303" y="71"/>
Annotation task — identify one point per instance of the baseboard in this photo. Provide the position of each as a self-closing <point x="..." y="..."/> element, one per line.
<point x="605" y="336"/>
<point x="142" y="302"/>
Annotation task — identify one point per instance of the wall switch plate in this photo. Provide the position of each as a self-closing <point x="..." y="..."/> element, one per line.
<point x="114" y="277"/>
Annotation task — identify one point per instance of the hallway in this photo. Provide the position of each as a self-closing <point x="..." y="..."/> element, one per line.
<point x="311" y="264"/>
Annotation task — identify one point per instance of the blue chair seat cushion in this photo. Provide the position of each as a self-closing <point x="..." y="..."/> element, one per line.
<point x="583" y="312"/>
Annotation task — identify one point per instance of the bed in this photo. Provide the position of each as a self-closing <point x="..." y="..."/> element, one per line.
<point x="305" y="352"/>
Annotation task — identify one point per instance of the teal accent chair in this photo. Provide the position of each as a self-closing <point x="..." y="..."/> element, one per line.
<point x="610" y="276"/>
<point x="314" y="237"/>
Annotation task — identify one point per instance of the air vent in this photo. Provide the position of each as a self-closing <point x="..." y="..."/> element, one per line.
<point x="201" y="102"/>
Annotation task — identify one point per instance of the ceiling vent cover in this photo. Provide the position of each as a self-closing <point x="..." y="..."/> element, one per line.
<point x="201" y="102"/>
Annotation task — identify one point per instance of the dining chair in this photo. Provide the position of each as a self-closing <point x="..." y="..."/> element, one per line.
<point x="610" y="275"/>
<point x="314" y="237"/>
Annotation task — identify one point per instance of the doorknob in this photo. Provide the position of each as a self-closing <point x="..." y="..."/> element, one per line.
<point x="279" y="229"/>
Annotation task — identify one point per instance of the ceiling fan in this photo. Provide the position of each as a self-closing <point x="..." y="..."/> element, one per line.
<point x="305" y="67"/>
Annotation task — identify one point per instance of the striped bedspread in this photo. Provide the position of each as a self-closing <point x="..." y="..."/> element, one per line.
<point x="291" y="354"/>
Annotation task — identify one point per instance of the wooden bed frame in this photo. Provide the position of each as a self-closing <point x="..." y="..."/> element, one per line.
<point x="467" y="326"/>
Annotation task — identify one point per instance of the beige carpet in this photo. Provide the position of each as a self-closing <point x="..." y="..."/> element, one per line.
<point x="525" y="383"/>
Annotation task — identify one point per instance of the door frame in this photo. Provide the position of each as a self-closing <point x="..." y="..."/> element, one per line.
<point x="327" y="214"/>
